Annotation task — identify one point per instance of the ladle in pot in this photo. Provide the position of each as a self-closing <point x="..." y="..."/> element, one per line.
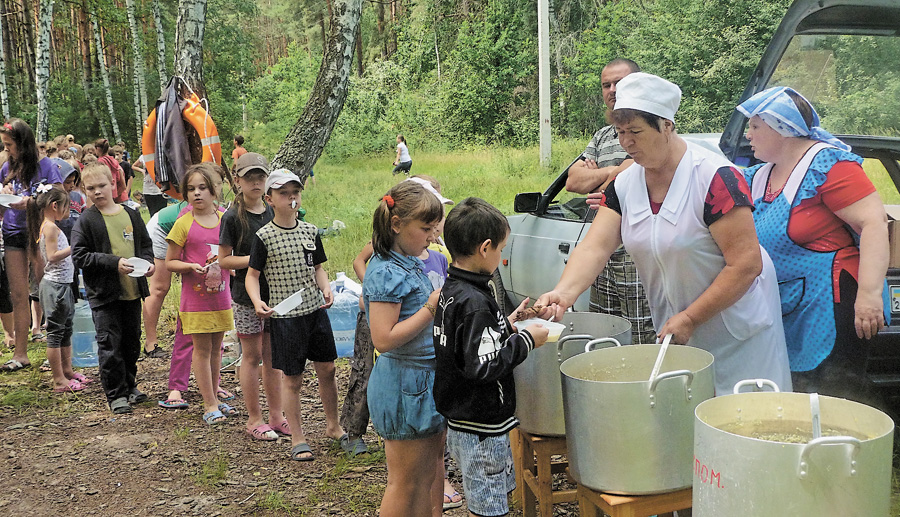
<point x="660" y="357"/>
<point x="816" y="415"/>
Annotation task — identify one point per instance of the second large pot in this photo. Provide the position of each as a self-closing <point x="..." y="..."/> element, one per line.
<point x="627" y="434"/>
<point x="539" y="406"/>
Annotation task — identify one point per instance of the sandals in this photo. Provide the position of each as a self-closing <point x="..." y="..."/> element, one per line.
<point x="450" y="503"/>
<point x="13" y="366"/>
<point x="120" y="406"/>
<point x="299" y="451"/>
<point x="214" y="417"/>
<point x="38" y="336"/>
<point x="156" y="353"/>
<point x="344" y="442"/>
<point x="173" y="404"/>
<point x="224" y="395"/>
<point x="282" y="428"/>
<point x="263" y="433"/>
<point x="357" y="447"/>
<point x="71" y="387"/>
<point x="45" y="366"/>
<point x="227" y="410"/>
<point x="136" y="396"/>
<point x="83" y="379"/>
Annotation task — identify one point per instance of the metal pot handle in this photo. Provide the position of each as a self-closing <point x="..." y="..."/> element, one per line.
<point x="759" y="383"/>
<point x="668" y="375"/>
<point x="803" y="469"/>
<point x="566" y="339"/>
<point x="593" y="343"/>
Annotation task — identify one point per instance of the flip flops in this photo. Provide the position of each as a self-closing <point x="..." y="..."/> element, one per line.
<point x="13" y="366"/>
<point x="173" y="404"/>
<point x="227" y="410"/>
<point x="263" y="433"/>
<point x="224" y="394"/>
<point x="71" y="387"/>
<point x="83" y="379"/>
<point x="214" y="417"/>
<point x="298" y="451"/>
<point x="282" y="428"/>
<point x="450" y="503"/>
<point x="45" y="366"/>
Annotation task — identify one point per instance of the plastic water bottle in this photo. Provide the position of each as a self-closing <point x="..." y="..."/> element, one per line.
<point x="343" y="316"/>
<point x="84" y="337"/>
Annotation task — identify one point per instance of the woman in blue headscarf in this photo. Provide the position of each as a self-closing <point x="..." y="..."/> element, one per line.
<point x="823" y="224"/>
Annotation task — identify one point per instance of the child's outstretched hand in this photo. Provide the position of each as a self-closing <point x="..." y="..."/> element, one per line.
<point x="520" y="310"/>
<point x="539" y="333"/>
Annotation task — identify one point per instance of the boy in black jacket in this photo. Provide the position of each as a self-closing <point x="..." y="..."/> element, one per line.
<point x="103" y="238"/>
<point x="477" y="349"/>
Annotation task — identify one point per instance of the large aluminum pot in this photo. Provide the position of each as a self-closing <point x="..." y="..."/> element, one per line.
<point x="626" y="433"/>
<point x="539" y="404"/>
<point x="755" y="455"/>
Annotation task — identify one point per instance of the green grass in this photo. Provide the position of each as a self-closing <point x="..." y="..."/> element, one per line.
<point x="882" y="181"/>
<point x="350" y="190"/>
<point x="275" y="501"/>
<point x="213" y="470"/>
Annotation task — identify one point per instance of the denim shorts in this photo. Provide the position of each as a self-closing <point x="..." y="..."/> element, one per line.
<point x="401" y="399"/>
<point x="487" y="471"/>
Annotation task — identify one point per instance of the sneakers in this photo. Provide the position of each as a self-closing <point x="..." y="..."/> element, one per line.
<point x="156" y="353"/>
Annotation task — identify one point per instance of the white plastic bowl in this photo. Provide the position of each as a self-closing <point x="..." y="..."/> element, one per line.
<point x="553" y="327"/>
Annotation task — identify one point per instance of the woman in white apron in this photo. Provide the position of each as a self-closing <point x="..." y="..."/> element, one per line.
<point x="685" y="215"/>
<point x="820" y="219"/>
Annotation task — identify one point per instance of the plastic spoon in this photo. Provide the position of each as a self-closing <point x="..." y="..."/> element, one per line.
<point x="662" y="354"/>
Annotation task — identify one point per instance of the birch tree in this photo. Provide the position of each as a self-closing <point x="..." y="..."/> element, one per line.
<point x="101" y="59"/>
<point x="139" y="69"/>
<point x="42" y="68"/>
<point x="305" y="141"/>
<point x="189" y="30"/>
<point x="4" y="98"/>
<point x="160" y="47"/>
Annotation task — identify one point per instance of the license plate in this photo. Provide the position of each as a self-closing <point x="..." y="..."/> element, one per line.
<point x="895" y="298"/>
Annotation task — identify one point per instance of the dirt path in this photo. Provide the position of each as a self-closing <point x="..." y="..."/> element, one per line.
<point x="83" y="460"/>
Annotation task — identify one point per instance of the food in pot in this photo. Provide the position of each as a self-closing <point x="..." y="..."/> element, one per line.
<point x="784" y="432"/>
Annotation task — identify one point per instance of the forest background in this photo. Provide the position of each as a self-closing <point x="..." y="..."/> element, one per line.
<point x="450" y="74"/>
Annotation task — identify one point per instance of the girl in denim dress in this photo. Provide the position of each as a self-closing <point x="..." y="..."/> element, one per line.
<point x="400" y="304"/>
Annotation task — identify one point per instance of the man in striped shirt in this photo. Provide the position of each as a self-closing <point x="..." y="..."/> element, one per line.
<point x="617" y="290"/>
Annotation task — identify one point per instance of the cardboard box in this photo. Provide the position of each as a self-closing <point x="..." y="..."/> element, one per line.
<point x="893" y="212"/>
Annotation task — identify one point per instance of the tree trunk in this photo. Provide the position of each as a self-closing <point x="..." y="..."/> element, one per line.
<point x="139" y="69"/>
<point x="101" y="61"/>
<point x="189" y="43"/>
<point x="4" y="99"/>
<point x="305" y="141"/>
<point x="189" y="57"/>
<point x="138" y="110"/>
<point x="42" y="66"/>
<point x="160" y="48"/>
<point x="359" y="52"/>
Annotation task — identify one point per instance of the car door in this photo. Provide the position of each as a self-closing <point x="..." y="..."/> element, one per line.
<point x="541" y="241"/>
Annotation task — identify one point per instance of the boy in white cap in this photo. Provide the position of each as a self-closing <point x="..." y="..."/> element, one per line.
<point x="290" y="253"/>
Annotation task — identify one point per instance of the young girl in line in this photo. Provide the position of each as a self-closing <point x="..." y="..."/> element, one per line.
<point x="240" y="223"/>
<point x="159" y="227"/>
<point x="205" y="307"/>
<point x="400" y="303"/>
<point x="56" y="295"/>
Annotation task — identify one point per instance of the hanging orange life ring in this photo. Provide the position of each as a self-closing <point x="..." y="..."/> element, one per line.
<point x="195" y="115"/>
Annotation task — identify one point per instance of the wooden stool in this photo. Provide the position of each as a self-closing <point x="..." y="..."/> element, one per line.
<point x="590" y="502"/>
<point x="535" y="469"/>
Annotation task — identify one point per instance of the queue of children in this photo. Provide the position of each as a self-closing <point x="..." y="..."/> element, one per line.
<point x="445" y="352"/>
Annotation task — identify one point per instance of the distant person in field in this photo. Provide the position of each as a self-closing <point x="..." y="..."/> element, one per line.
<point x="403" y="163"/>
<point x="618" y="289"/>
<point x="238" y="148"/>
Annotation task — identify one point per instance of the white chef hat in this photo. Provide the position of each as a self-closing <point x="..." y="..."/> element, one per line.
<point x="649" y="93"/>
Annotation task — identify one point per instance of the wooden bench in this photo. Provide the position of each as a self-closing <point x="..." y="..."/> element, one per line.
<point x="532" y="455"/>
<point x="592" y="503"/>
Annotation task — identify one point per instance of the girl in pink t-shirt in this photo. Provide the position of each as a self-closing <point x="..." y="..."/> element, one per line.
<point x="205" y="307"/>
